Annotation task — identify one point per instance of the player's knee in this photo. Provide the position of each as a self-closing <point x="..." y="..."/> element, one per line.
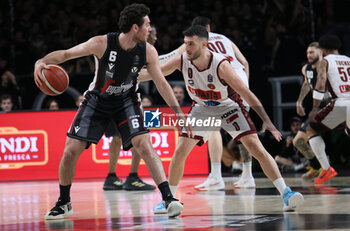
<point x="142" y="147"/>
<point x="116" y="141"/>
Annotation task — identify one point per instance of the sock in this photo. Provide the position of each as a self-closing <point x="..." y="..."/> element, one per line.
<point x="215" y="170"/>
<point x="247" y="170"/>
<point x="173" y="189"/>
<point x="65" y="193"/>
<point x="165" y="191"/>
<point x="133" y="174"/>
<point x="112" y="174"/>
<point x="314" y="163"/>
<point x="280" y="185"/>
<point x="319" y="148"/>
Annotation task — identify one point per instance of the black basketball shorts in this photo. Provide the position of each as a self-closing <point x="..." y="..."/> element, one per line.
<point x="92" y="120"/>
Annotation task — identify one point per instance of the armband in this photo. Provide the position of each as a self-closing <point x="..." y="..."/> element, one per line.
<point x="318" y="95"/>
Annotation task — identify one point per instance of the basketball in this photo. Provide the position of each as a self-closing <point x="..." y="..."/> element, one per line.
<point x="56" y="80"/>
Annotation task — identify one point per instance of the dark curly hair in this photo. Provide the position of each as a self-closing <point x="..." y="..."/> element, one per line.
<point x="329" y="42"/>
<point x="132" y="14"/>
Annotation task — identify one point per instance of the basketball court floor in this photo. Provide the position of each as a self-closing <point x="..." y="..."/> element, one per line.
<point x="327" y="207"/>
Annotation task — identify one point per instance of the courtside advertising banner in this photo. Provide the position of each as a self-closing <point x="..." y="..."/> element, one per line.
<point x="32" y="143"/>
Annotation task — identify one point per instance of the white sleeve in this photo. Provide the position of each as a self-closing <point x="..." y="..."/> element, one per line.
<point x="166" y="57"/>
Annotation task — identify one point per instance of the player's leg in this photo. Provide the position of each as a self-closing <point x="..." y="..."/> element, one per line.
<point x="154" y="165"/>
<point x="300" y="142"/>
<point x="329" y="117"/>
<point x="112" y="182"/>
<point x="292" y="200"/>
<point x="88" y="126"/>
<point x="214" y="180"/>
<point x="246" y="180"/>
<point x="177" y="164"/>
<point x="133" y="182"/>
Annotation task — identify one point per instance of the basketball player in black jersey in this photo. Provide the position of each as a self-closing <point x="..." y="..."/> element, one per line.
<point x="314" y="57"/>
<point x="112" y="97"/>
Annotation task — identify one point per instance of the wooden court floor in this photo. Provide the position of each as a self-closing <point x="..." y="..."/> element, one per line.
<point x="327" y="207"/>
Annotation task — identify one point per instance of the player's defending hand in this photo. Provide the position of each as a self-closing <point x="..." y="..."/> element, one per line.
<point x="188" y="127"/>
<point x="38" y="78"/>
<point x="269" y="126"/>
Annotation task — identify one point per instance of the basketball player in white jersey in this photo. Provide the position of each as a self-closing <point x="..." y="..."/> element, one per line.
<point x="221" y="44"/>
<point x="214" y="85"/>
<point x="334" y="69"/>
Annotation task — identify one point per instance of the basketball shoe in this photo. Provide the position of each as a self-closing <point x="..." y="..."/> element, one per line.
<point x="172" y="207"/>
<point x="211" y="183"/>
<point x="312" y="173"/>
<point x="134" y="183"/>
<point x="245" y="183"/>
<point x="325" y="175"/>
<point x="60" y="211"/>
<point x="113" y="183"/>
<point x="292" y="200"/>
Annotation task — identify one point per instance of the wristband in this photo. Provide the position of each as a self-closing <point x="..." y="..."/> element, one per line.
<point x="318" y="95"/>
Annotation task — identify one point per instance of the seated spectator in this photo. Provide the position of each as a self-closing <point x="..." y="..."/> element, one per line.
<point x="146" y="101"/>
<point x="290" y="159"/>
<point x="8" y="84"/>
<point x="6" y="103"/>
<point x="52" y="105"/>
<point x="180" y="96"/>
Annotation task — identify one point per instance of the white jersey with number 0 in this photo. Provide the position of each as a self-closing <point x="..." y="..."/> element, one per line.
<point x="204" y="86"/>
<point x="339" y="75"/>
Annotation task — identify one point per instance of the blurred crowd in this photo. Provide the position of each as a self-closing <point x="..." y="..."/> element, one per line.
<point x="272" y="34"/>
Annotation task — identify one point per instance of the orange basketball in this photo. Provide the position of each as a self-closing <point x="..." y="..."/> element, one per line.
<point x="56" y="80"/>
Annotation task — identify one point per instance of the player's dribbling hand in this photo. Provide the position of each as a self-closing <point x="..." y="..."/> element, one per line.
<point x="269" y="126"/>
<point x="38" y="78"/>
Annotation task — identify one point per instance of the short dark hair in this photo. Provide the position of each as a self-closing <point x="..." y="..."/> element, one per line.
<point x="5" y="97"/>
<point x="132" y="14"/>
<point x="330" y="42"/>
<point x="314" y="44"/>
<point x="201" y="20"/>
<point x="196" y="30"/>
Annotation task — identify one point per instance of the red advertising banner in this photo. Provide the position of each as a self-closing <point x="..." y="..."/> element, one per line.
<point x="32" y="143"/>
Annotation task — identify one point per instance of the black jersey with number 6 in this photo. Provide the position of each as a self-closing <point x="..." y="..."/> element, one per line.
<point x="116" y="72"/>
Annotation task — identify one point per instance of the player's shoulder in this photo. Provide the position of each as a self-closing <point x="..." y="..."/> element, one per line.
<point x="216" y="36"/>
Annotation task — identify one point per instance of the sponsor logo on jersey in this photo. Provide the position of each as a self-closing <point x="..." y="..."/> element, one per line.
<point x="229" y="113"/>
<point x="190" y="82"/>
<point x="190" y="73"/>
<point x="205" y="95"/>
<point x="110" y="66"/>
<point x="109" y="74"/>
<point x="134" y="70"/>
<point x="210" y="78"/>
<point x="344" y="88"/>
<point x="116" y="90"/>
<point x="152" y="118"/>
<point x="211" y="86"/>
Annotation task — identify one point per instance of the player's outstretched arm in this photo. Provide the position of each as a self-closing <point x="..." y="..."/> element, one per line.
<point x="227" y="73"/>
<point x="162" y="85"/>
<point x="241" y="58"/>
<point x="94" y="46"/>
<point x="305" y="88"/>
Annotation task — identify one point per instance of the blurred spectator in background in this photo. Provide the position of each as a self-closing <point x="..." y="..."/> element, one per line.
<point x="290" y="159"/>
<point x="146" y="101"/>
<point x="6" y="103"/>
<point x="9" y="83"/>
<point x="52" y="104"/>
<point x="180" y="96"/>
